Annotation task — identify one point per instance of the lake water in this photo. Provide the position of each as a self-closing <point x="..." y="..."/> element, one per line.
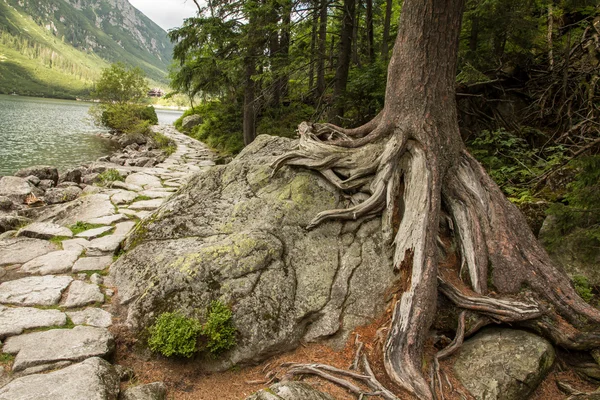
<point x="36" y="131"/>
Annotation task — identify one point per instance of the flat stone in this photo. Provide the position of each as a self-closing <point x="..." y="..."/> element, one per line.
<point x="123" y="228"/>
<point x="20" y="250"/>
<point x="86" y="208"/>
<point x="12" y="222"/>
<point x="39" y="171"/>
<point x="75" y="344"/>
<point x="16" y="189"/>
<point x="155" y="194"/>
<point x="97" y="279"/>
<point x="62" y="195"/>
<point x="82" y="294"/>
<point x="136" y="214"/>
<point x="13" y="320"/>
<point x="92" y="263"/>
<point x="146" y="205"/>
<point x="34" y="291"/>
<point x="150" y="391"/>
<point x="91" y="316"/>
<point x="123" y="197"/>
<point x="290" y="391"/>
<point x="108" y="220"/>
<point x="94" y="233"/>
<point x="126" y="186"/>
<point x="44" y="230"/>
<point x="503" y="364"/>
<point x="93" y="379"/>
<point x="143" y="180"/>
<point x="42" y="368"/>
<point x="78" y="244"/>
<point x="57" y="262"/>
<point x="105" y="245"/>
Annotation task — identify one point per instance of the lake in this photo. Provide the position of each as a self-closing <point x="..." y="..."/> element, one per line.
<point x="37" y="131"/>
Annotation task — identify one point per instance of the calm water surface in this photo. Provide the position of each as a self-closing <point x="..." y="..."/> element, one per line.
<point x="36" y="131"/>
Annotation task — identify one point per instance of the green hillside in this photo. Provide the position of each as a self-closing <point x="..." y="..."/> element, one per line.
<point x="57" y="49"/>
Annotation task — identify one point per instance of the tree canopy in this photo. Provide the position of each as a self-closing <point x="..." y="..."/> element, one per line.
<point x="121" y="84"/>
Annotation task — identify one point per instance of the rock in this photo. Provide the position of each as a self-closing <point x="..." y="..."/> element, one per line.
<point x="45" y="230"/>
<point x="126" y="186"/>
<point x="46" y="184"/>
<point x="67" y="184"/>
<point x="126" y="140"/>
<point x="155" y="194"/>
<point x="105" y="245"/>
<point x="125" y="373"/>
<point x="90" y="179"/>
<point x="134" y="214"/>
<point x="72" y="175"/>
<point x="94" y="233"/>
<point x="83" y="209"/>
<point x="5" y="203"/>
<point x="146" y="205"/>
<point x="91" y="189"/>
<point x="108" y="220"/>
<point x="62" y="195"/>
<point x="12" y="222"/>
<point x="34" y="291"/>
<point x="92" y="263"/>
<point x="290" y="391"/>
<point x="78" y="244"/>
<point x="57" y="262"/>
<point x="45" y="347"/>
<point x="42" y="368"/>
<point x="7" y="235"/>
<point x="14" y="188"/>
<point x="123" y="197"/>
<point x="96" y="279"/>
<point x="20" y="250"/>
<point x="81" y="294"/>
<point x="41" y="171"/>
<point x="91" y="316"/>
<point x="143" y="180"/>
<point x="236" y="234"/>
<point x="503" y="364"/>
<point x="150" y="391"/>
<point x="93" y="379"/>
<point x="14" y="320"/>
<point x="191" y="121"/>
<point x="34" y="180"/>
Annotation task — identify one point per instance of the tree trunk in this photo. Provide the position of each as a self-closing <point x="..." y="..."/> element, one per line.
<point x="355" y="55"/>
<point x="474" y="35"/>
<point x="249" y="97"/>
<point x="322" y="54"/>
<point x="313" y="48"/>
<point x="370" y="33"/>
<point x="343" y="65"/>
<point x="386" y="30"/>
<point x="411" y="162"/>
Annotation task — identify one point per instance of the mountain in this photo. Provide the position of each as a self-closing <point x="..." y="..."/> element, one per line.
<point x="58" y="47"/>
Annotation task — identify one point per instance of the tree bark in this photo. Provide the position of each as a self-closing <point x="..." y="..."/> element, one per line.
<point x="411" y="162"/>
<point x="322" y="54"/>
<point x="386" y="30"/>
<point x="370" y="32"/>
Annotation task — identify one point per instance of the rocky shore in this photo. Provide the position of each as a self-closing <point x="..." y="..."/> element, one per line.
<point x="59" y="234"/>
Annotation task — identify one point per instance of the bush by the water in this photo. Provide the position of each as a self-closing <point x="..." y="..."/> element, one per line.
<point x="176" y="335"/>
<point x="128" y="118"/>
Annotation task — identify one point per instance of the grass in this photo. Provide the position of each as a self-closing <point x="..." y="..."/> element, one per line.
<point x="141" y="198"/>
<point x="57" y="240"/>
<point x="83" y="226"/>
<point x="6" y="358"/>
<point x="108" y="176"/>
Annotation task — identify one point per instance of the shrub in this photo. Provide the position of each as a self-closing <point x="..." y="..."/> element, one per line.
<point x="110" y="175"/>
<point x="167" y="145"/>
<point x="174" y="335"/>
<point x="127" y="118"/>
<point x="583" y="287"/>
<point x="218" y="329"/>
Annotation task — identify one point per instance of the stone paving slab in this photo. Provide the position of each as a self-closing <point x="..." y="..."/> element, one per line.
<point x="86" y="208"/>
<point x="143" y="180"/>
<point x="155" y="194"/>
<point x="46" y="347"/>
<point x="108" y="220"/>
<point x="77" y="244"/>
<point x="126" y="186"/>
<point x="136" y="214"/>
<point x="82" y="294"/>
<point x="14" y="320"/>
<point x="92" y="263"/>
<point x="146" y="205"/>
<point x="57" y="262"/>
<point x="105" y="245"/>
<point x="34" y="291"/>
<point x="20" y="250"/>
<point x="123" y="197"/>
<point x="94" y="233"/>
<point x="93" y="379"/>
<point x="44" y="230"/>
<point x="91" y="316"/>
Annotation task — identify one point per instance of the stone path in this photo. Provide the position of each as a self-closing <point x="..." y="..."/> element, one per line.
<point x="53" y="298"/>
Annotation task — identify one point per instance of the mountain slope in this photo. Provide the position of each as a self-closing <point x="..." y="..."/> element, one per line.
<point x="58" y="47"/>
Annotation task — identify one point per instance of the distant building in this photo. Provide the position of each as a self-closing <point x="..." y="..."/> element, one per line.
<point x="156" y="92"/>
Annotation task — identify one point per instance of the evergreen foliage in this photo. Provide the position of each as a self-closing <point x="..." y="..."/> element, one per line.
<point x="174" y="335"/>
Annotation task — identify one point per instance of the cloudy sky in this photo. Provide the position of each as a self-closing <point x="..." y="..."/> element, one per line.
<point x="167" y="13"/>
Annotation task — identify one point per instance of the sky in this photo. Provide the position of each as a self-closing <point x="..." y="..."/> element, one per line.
<point x="167" y="13"/>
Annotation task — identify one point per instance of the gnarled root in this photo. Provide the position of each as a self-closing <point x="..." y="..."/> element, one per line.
<point x="505" y="274"/>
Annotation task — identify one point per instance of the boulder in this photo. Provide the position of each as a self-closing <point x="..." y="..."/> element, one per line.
<point x="191" y="121"/>
<point x="40" y="171"/>
<point x="46" y="184"/>
<point x="239" y="235"/>
<point x="16" y="189"/>
<point x="62" y="195"/>
<point x="5" y="203"/>
<point x="34" y="180"/>
<point x="92" y="379"/>
<point x="290" y="391"/>
<point x="72" y="175"/>
<point x="503" y="364"/>
<point x="150" y="391"/>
